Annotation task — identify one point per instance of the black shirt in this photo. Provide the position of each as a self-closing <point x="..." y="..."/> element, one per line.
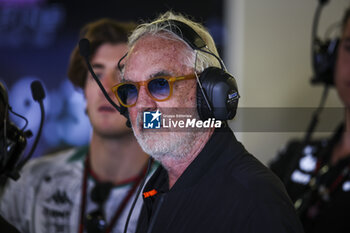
<point x="322" y="196"/>
<point x="7" y="227"/>
<point x="225" y="189"/>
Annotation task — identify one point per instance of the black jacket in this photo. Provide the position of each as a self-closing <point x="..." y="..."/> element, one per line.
<point x="225" y="189"/>
<point x="322" y="196"/>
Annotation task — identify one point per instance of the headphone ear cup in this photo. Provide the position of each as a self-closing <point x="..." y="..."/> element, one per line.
<point x="221" y="91"/>
<point x="324" y="58"/>
<point x="202" y="106"/>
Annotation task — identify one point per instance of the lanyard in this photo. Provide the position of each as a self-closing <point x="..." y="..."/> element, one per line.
<point x="121" y="207"/>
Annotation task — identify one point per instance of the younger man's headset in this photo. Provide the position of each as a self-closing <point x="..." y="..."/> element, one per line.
<point x="14" y="140"/>
<point x="217" y="92"/>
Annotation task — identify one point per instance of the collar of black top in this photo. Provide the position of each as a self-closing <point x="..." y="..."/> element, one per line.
<point x="200" y="165"/>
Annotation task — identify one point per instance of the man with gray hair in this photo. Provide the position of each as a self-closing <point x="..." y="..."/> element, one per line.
<point x="208" y="182"/>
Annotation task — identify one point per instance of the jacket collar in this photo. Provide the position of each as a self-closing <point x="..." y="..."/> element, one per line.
<point x="200" y="165"/>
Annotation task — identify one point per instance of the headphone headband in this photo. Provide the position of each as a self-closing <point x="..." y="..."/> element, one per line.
<point x="187" y="33"/>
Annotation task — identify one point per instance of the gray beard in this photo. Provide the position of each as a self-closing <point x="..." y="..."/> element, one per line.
<point x="161" y="145"/>
<point x="175" y="145"/>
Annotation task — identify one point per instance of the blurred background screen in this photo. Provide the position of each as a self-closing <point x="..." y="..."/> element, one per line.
<point x="36" y="39"/>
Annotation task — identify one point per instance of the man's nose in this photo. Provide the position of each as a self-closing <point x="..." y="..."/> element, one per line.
<point x="108" y="81"/>
<point x="144" y="101"/>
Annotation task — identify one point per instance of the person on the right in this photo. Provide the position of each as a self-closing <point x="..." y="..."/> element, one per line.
<point x="317" y="175"/>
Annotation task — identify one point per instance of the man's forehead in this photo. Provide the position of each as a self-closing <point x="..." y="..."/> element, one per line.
<point x="153" y="54"/>
<point x="160" y="37"/>
<point x="157" y="43"/>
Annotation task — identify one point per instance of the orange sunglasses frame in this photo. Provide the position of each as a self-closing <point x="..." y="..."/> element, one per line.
<point x="170" y="80"/>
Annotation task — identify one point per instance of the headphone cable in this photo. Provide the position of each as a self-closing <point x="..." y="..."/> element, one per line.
<point x="315" y="41"/>
<point x="149" y="164"/>
<point x="315" y="116"/>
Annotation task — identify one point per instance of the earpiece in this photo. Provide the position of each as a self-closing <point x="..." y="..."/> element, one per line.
<point x="221" y="90"/>
<point x="217" y="92"/>
<point x="324" y="58"/>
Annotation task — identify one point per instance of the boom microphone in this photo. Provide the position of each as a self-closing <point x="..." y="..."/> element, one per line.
<point x="84" y="49"/>
<point x="38" y="92"/>
<point x="14" y="140"/>
<point x="38" y="95"/>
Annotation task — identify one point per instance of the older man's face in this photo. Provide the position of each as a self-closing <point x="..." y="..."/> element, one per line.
<point x="154" y="56"/>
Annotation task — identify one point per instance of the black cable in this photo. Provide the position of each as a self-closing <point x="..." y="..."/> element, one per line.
<point x="5" y="136"/>
<point x="120" y="66"/>
<point x="150" y="161"/>
<point x="315" y="41"/>
<point x="20" y="116"/>
<point x="315" y="115"/>
<point x="25" y="160"/>
<point x="84" y="49"/>
<point x="101" y="86"/>
<point x="217" y="58"/>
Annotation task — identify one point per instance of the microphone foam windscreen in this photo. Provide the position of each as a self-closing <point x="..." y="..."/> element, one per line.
<point x="38" y="92"/>
<point x="84" y="47"/>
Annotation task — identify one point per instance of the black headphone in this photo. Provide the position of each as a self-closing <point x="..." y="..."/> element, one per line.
<point x="324" y="53"/>
<point x="324" y="58"/>
<point x="217" y="92"/>
<point x="12" y="140"/>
